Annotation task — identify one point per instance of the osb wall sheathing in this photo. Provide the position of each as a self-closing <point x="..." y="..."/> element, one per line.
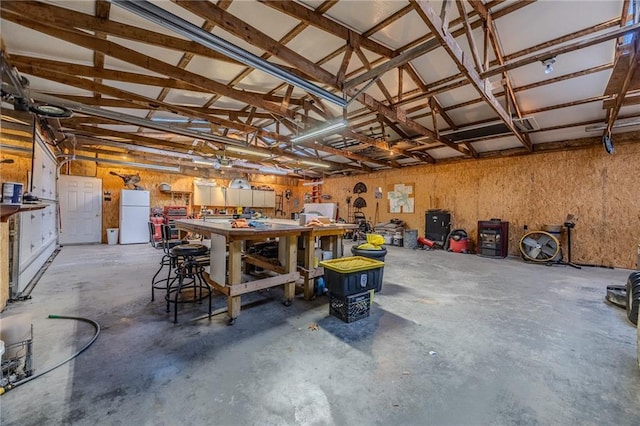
<point x="535" y="190"/>
<point x="151" y="181"/>
<point x="16" y="172"/>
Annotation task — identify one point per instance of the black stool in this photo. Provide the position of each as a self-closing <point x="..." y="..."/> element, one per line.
<point x="168" y="259"/>
<point x="188" y="276"/>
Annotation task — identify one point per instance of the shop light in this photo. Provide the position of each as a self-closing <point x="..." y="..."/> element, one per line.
<point x="273" y="171"/>
<point x="320" y="131"/>
<point x="204" y="162"/>
<point x="247" y="151"/>
<point x="313" y="163"/>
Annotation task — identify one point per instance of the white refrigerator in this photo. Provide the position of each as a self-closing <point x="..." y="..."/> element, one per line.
<point x="134" y="216"/>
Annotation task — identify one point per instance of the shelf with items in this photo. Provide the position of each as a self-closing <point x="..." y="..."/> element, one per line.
<point x="186" y="195"/>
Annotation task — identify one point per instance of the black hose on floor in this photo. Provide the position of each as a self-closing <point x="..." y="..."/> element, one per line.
<point x="85" y="347"/>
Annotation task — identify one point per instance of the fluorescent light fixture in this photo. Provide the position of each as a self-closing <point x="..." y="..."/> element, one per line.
<point x="247" y="151"/>
<point x="320" y="182"/>
<point x="273" y="171"/>
<point x="193" y="32"/>
<point x="313" y="163"/>
<point x="320" y="131"/>
<point x="204" y="162"/>
<point x="618" y="124"/>
<point x="126" y="163"/>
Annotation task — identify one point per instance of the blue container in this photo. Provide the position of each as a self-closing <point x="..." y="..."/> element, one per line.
<point x="12" y="193"/>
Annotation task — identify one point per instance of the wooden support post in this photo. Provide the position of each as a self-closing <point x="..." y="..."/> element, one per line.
<point x="309" y="254"/>
<point x="291" y="256"/>
<point x="235" y="277"/>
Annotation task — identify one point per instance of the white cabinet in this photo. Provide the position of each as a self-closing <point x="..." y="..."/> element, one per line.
<point x="270" y="199"/>
<point x="202" y="195"/>
<point x="239" y="197"/>
<point x="218" y="196"/>
<point x="264" y="199"/>
<point x="213" y="196"/>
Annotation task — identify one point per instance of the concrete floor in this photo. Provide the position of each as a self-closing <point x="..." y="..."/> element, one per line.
<point x="452" y="339"/>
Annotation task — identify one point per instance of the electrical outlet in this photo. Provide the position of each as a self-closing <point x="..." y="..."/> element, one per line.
<point x="526" y="227"/>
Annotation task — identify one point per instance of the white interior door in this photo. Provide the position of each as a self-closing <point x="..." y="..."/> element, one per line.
<point x="80" y="209"/>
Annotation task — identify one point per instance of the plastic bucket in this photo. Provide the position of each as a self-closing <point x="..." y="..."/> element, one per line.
<point x="112" y="236"/>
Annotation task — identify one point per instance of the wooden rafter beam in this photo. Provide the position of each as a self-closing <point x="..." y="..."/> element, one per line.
<point x="582" y="44"/>
<point x="236" y="26"/>
<point x="455" y="81"/>
<point x="273" y="47"/>
<point x="130" y="77"/>
<point x="311" y="17"/>
<point x="491" y="33"/>
<point x="434" y="23"/>
<point x="143" y="101"/>
<point x="67" y="18"/>
<point x="102" y="9"/>
<point x="612" y="114"/>
<point x="144" y="61"/>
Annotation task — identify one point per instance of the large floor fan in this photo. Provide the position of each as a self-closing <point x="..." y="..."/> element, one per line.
<point x="540" y="246"/>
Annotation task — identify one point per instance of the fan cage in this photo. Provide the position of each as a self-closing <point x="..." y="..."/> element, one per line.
<point x="540" y="246"/>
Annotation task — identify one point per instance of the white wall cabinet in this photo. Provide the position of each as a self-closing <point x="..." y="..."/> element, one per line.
<point x="264" y="199"/>
<point x="202" y="195"/>
<point x="214" y="196"/>
<point x="218" y="196"/>
<point x="237" y="197"/>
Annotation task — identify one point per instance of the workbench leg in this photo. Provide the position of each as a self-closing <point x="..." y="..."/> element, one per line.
<point x="235" y="277"/>
<point x="233" y="308"/>
<point x="289" y="293"/>
<point x="290" y="265"/>
<point x="309" y="257"/>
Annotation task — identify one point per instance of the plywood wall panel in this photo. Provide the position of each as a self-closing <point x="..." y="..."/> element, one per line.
<point x="16" y="172"/>
<point x="536" y="190"/>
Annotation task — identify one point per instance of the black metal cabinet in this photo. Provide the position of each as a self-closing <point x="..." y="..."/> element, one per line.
<point x="493" y="238"/>
<point x="437" y="225"/>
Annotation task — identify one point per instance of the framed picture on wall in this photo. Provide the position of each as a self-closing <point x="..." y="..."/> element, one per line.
<point x="401" y="198"/>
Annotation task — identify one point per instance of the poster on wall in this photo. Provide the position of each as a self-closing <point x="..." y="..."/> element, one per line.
<point x="401" y="198"/>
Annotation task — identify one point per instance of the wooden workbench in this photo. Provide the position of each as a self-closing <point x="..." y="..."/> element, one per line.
<point x="225" y="273"/>
<point x="330" y="238"/>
